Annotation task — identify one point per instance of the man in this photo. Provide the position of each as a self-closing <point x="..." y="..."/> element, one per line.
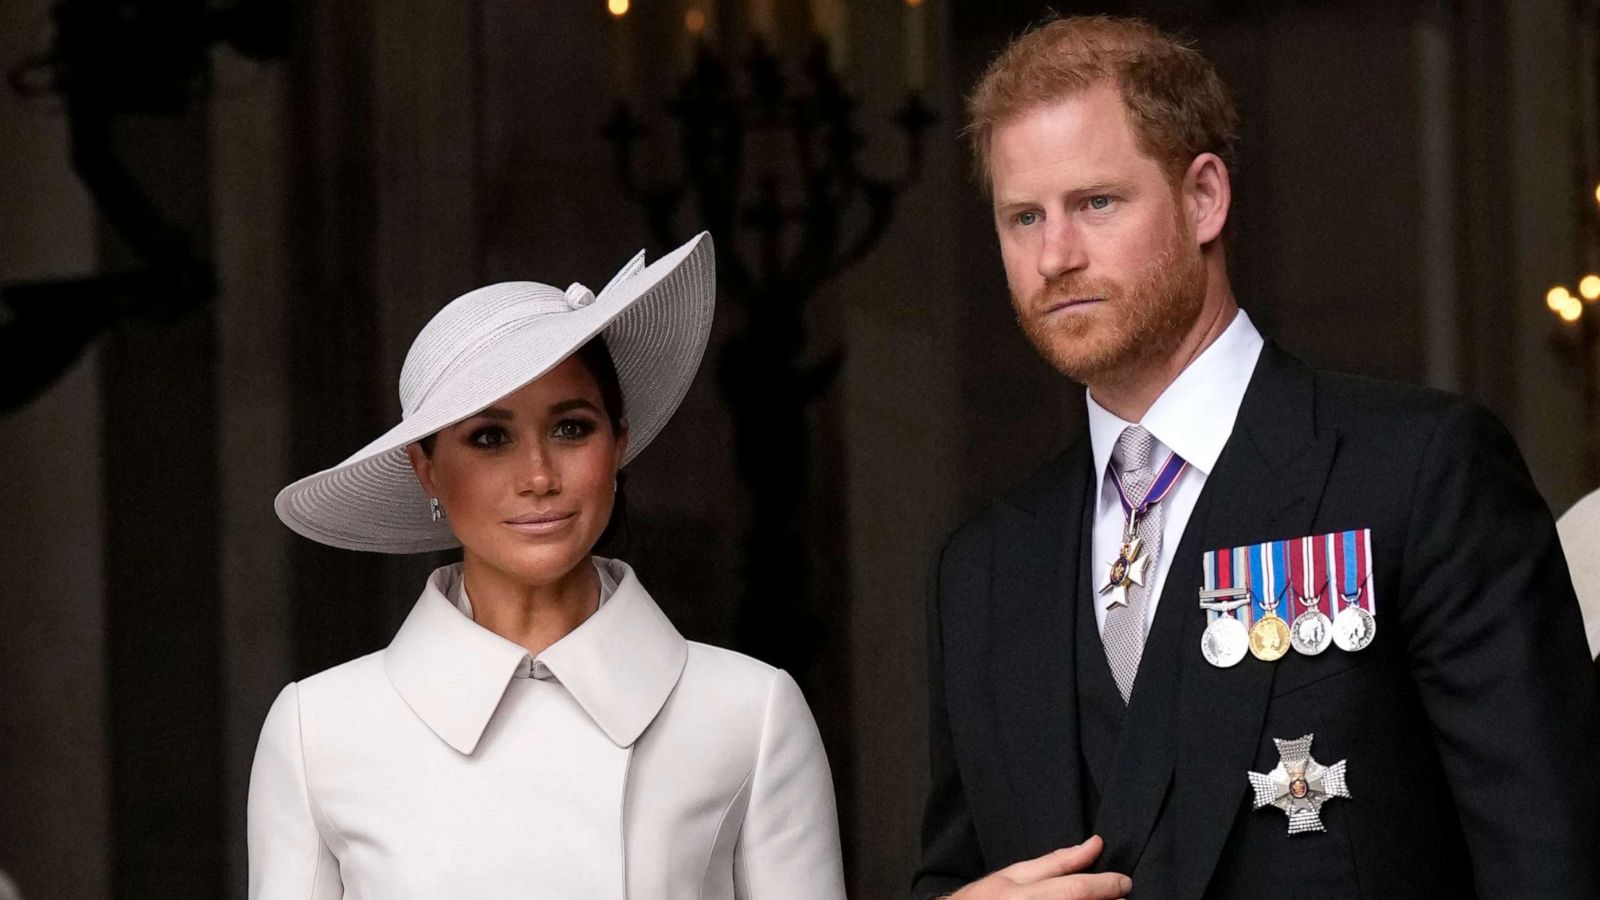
<point x="1083" y="684"/>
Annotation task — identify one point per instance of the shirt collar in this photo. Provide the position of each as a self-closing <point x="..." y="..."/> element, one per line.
<point x="620" y="664"/>
<point x="1194" y="416"/>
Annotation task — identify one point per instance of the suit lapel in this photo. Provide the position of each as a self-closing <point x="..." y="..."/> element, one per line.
<point x="1188" y="722"/>
<point x="1267" y="486"/>
<point x="1032" y="652"/>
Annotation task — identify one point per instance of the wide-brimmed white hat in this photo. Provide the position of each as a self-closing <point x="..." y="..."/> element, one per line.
<point x="1579" y="528"/>
<point x="490" y="342"/>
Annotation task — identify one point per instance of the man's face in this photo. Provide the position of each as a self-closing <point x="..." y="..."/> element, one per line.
<point x="1105" y="274"/>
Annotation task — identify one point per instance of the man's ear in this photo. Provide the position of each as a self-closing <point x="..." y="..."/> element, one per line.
<point x="423" y="466"/>
<point x="1207" y="197"/>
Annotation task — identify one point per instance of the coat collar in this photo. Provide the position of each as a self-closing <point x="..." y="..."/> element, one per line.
<point x="1269" y="486"/>
<point x="620" y="665"/>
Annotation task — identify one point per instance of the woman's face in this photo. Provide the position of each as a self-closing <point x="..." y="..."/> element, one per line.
<point x="527" y="485"/>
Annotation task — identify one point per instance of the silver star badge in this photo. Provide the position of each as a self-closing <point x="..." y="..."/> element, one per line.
<point x="1131" y="567"/>
<point x="1299" y="785"/>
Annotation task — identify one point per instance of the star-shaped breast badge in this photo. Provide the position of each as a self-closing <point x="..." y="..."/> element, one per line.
<point x="1299" y="785"/>
<point x="1131" y="567"/>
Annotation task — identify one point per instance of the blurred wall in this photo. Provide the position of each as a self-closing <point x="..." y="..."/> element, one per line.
<point x="53" y="792"/>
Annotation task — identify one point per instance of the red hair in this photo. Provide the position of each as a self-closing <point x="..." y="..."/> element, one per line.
<point x="1176" y="103"/>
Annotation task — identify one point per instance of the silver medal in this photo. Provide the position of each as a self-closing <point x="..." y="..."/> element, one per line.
<point x="1225" y="641"/>
<point x="1311" y="632"/>
<point x="1299" y="785"/>
<point x="1354" y="628"/>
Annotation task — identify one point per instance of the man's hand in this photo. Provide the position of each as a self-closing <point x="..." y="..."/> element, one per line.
<point x="1051" y="877"/>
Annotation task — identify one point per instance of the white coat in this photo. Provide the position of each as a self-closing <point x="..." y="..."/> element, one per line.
<point x="647" y="767"/>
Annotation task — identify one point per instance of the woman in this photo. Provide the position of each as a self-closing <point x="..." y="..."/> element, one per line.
<point x="537" y="728"/>
<point x="1579" y="528"/>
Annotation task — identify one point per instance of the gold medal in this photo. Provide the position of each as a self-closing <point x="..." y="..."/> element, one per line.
<point x="1269" y="638"/>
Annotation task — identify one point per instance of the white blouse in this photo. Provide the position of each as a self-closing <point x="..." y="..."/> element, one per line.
<point x="643" y="766"/>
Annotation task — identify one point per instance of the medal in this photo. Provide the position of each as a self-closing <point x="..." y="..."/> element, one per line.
<point x="1312" y="630"/>
<point x="1353" y="626"/>
<point x="1269" y="636"/>
<point x="1132" y="567"/>
<point x="1225" y="639"/>
<point x="1245" y="586"/>
<point x="1224" y="642"/>
<point x="1299" y="785"/>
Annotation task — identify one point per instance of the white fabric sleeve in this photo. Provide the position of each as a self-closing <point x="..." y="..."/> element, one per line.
<point x="789" y="845"/>
<point x="288" y="858"/>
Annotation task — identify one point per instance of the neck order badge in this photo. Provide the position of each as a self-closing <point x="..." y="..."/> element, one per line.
<point x="1131" y="566"/>
<point x="1325" y="581"/>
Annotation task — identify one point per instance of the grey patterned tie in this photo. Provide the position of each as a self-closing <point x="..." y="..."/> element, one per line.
<point x="1124" y="630"/>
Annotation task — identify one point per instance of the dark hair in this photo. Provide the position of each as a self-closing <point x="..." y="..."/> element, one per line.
<point x="596" y="359"/>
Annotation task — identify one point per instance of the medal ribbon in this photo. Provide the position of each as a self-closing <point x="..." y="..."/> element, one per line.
<point x="1224" y="569"/>
<point x="1352" y="580"/>
<point x="1260" y="584"/>
<point x="1355" y="570"/>
<point x="1171" y="471"/>
<point x="1335" y="564"/>
<point x="1283" y="587"/>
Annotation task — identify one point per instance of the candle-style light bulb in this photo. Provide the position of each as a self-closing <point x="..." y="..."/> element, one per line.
<point x="916" y="37"/>
<point x="1556" y="298"/>
<point x="621" y="46"/>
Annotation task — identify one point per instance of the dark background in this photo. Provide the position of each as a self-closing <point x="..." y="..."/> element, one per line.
<point x="1413" y="177"/>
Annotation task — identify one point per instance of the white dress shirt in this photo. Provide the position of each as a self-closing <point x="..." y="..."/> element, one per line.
<point x="1193" y="417"/>
<point x="645" y="766"/>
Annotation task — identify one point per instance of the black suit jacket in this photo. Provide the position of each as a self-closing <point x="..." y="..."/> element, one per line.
<point x="1469" y="726"/>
